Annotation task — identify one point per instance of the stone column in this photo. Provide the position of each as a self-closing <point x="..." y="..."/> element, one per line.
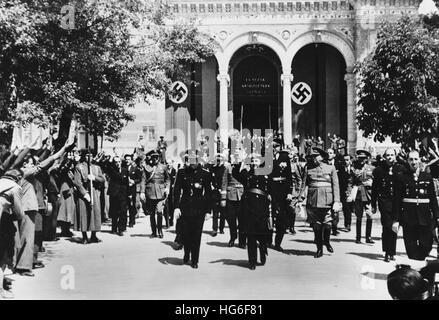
<point x="286" y="80"/>
<point x="224" y="80"/>
<point x="351" y="112"/>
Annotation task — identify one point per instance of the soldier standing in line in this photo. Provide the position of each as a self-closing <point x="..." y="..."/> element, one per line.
<point x="323" y="195"/>
<point x="193" y="187"/>
<point x="415" y="207"/>
<point x="219" y="183"/>
<point x="281" y="191"/>
<point x="154" y="190"/>
<point x="382" y="194"/>
<point x="255" y="207"/>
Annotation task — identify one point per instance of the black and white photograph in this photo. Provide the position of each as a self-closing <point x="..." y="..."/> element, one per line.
<point x="219" y="154"/>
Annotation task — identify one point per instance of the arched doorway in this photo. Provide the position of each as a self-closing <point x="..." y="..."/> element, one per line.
<point x="256" y="88"/>
<point x="322" y="67"/>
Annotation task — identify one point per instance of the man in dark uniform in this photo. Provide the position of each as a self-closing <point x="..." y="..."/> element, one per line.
<point x="193" y="187"/>
<point x="234" y="190"/>
<point x="363" y="182"/>
<point x="282" y="187"/>
<point x="219" y="184"/>
<point x="415" y="207"/>
<point x="255" y="207"/>
<point x="134" y="178"/>
<point x="323" y="195"/>
<point x="154" y="190"/>
<point x="382" y="194"/>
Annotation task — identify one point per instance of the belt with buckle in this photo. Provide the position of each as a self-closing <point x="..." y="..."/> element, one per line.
<point x="279" y="179"/>
<point x="412" y="200"/>
<point x="257" y="191"/>
<point x="320" y="184"/>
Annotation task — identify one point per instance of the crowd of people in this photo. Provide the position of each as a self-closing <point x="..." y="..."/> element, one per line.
<point x="77" y="190"/>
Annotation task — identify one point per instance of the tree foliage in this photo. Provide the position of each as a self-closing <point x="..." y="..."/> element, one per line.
<point x="398" y="89"/>
<point x="117" y="52"/>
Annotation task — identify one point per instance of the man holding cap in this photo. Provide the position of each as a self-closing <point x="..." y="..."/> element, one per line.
<point x="323" y="195"/>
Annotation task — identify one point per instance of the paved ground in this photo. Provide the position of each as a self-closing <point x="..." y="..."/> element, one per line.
<point x="138" y="267"/>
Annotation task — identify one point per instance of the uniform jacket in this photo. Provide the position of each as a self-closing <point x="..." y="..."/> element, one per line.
<point x="219" y="181"/>
<point x="254" y="206"/>
<point x="414" y="214"/>
<point x="281" y="169"/>
<point x="234" y="188"/>
<point x="155" y="182"/>
<point x="327" y="191"/>
<point x="192" y="191"/>
<point x="363" y="179"/>
<point x="135" y="173"/>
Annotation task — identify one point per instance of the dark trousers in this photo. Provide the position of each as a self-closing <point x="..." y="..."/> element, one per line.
<point x="192" y="229"/>
<point x="335" y="220"/>
<point x="418" y="241"/>
<point x="50" y="220"/>
<point x="252" y="246"/>
<point x="218" y="214"/>
<point x="359" y="208"/>
<point x="39" y="228"/>
<point x="132" y="209"/>
<point x="291" y="216"/>
<point x="118" y="213"/>
<point x="347" y="213"/>
<point x="388" y="238"/>
<point x="155" y="208"/>
<point x="178" y="232"/>
<point x="281" y="218"/>
<point x="233" y="210"/>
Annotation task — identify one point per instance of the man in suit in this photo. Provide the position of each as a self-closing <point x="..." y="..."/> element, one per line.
<point x="154" y="189"/>
<point x="345" y="178"/>
<point x="134" y="178"/>
<point x="118" y="193"/>
<point x="415" y="207"/>
<point x="323" y="196"/>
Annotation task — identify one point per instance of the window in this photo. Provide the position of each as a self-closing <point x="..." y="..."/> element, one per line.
<point x="228" y="7"/>
<point x="149" y="132"/>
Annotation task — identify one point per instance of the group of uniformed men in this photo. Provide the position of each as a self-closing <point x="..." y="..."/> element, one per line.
<point x="257" y="202"/>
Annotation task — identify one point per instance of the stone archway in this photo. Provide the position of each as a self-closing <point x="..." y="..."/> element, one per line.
<point x="346" y="49"/>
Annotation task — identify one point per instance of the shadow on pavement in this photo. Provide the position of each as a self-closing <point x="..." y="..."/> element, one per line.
<point x="231" y="262"/>
<point x="303" y="241"/>
<point x="172" y="260"/>
<point x="171" y="244"/>
<point x="218" y="244"/>
<point x="75" y="239"/>
<point x="375" y="276"/>
<point x="296" y="252"/>
<point x="141" y="235"/>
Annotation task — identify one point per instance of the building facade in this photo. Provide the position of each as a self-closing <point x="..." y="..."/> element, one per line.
<point x="282" y="65"/>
